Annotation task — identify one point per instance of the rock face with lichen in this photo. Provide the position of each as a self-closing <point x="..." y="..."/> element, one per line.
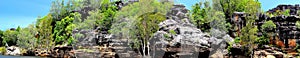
<point x="178" y="36"/>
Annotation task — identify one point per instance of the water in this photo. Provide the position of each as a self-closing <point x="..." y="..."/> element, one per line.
<point x="5" y="56"/>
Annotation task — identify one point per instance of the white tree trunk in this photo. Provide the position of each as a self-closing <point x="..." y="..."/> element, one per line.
<point x="148" y="49"/>
<point x="143" y="48"/>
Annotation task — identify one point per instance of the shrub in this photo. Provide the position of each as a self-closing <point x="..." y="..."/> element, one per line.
<point x="298" y="24"/>
<point x="172" y="31"/>
<point x="2" y="50"/>
<point x="268" y="25"/>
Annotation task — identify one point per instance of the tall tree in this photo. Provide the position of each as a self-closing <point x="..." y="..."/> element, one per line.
<point x="133" y="24"/>
<point x="45" y="33"/>
<point x="248" y="33"/>
<point x="147" y="25"/>
<point x="26" y="37"/>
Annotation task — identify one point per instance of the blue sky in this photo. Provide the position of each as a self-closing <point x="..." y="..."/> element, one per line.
<point x="269" y="4"/>
<point x="15" y="13"/>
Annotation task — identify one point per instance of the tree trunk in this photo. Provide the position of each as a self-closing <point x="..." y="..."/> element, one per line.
<point x="144" y="49"/>
<point x="148" y="49"/>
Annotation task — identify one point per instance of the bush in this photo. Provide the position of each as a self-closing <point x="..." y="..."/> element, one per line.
<point x="237" y="40"/>
<point x="2" y="50"/>
<point x="298" y="24"/>
<point x="172" y="31"/>
<point x="262" y="40"/>
<point x="287" y="12"/>
<point x="268" y="25"/>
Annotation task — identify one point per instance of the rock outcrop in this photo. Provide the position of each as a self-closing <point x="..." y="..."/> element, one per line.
<point x="293" y="9"/>
<point x="13" y="50"/>
<point x="178" y="37"/>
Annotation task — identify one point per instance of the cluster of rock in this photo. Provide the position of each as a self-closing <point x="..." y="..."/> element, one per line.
<point x="293" y="9"/>
<point x="59" y="51"/>
<point x="286" y="28"/>
<point x="99" y="43"/>
<point x="286" y="34"/>
<point x="13" y="50"/>
<point x="178" y="37"/>
<point x="268" y="52"/>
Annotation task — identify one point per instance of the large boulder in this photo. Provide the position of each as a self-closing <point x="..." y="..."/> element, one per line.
<point x="13" y="50"/>
<point x="178" y="31"/>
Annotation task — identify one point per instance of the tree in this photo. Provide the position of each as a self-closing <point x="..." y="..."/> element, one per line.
<point x="199" y="16"/>
<point x="10" y="37"/>
<point x="100" y="17"/>
<point x="107" y="11"/>
<point x="131" y="20"/>
<point x="209" y="16"/>
<point x="63" y="31"/>
<point x="248" y="33"/>
<point x="90" y="22"/>
<point x="44" y="31"/>
<point x="147" y="25"/>
<point x="143" y="6"/>
<point x="26" y="37"/>
<point x="231" y="6"/>
<point x="267" y="33"/>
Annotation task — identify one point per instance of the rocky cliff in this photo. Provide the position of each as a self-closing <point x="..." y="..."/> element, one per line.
<point x="177" y="37"/>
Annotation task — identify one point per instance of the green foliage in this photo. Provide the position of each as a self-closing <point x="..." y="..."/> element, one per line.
<point x="138" y="21"/>
<point x="2" y="50"/>
<point x="286" y="12"/>
<point x="144" y="6"/>
<point x="10" y="37"/>
<point x="231" y="6"/>
<point x="218" y="21"/>
<point x="248" y="32"/>
<point x="77" y="18"/>
<point x="18" y="28"/>
<point x="268" y="25"/>
<point x="167" y="37"/>
<point x="63" y="30"/>
<point x="44" y="29"/>
<point x="147" y="24"/>
<point x="172" y="31"/>
<point x="237" y="40"/>
<point x="102" y="17"/>
<point x="209" y="16"/>
<point x="26" y="37"/>
<point x="298" y="12"/>
<point x="79" y="35"/>
<point x="279" y="12"/>
<point x="262" y="40"/>
<point x="90" y="22"/>
<point x="230" y="46"/>
<point x="107" y="14"/>
<point x="298" y="24"/>
<point x="199" y="15"/>
<point x="270" y="14"/>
